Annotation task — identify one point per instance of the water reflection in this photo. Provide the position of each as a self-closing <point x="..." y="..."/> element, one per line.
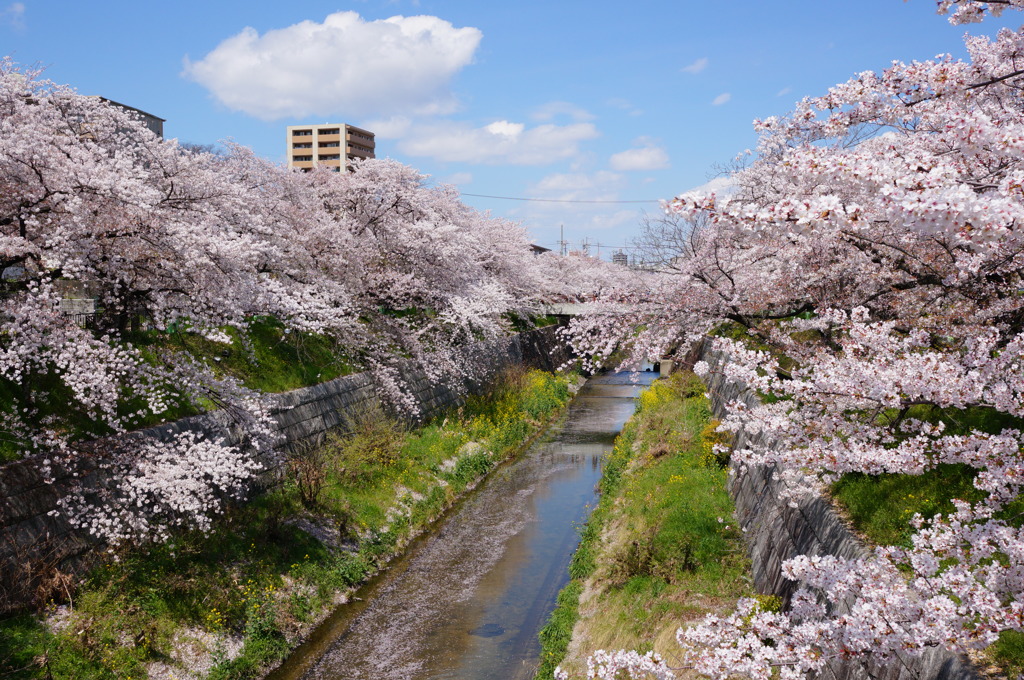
<point x="468" y="601"/>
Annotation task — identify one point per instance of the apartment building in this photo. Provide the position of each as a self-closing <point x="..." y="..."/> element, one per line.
<point x="310" y="146"/>
<point x="154" y="123"/>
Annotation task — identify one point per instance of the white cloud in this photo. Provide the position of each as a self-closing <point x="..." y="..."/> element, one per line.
<point x="394" y="127"/>
<point x="14" y="15"/>
<point x="505" y="128"/>
<point x="614" y="220"/>
<point x="784" y="91"/>
<point x="343" y="66"/>
<point x="722" y="186"/>
<point x="499" y="142"/>
<point x="578" y="186"/>
<point x="552" y="110"/>
<point x="458" y="179"/>
<point x="648" y="157"/>
<point x="625" y="105"/>
<point x="697" y="66"/>
<point x="721" y="99"/>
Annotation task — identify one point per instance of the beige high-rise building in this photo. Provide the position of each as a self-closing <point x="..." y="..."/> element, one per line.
<point x="312" y="145"/>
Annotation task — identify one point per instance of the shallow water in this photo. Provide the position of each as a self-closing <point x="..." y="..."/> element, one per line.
<point x="468" y="600"/>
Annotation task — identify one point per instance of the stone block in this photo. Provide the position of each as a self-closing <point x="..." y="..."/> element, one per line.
<point x="300" y="415"/>
<point x="777" y="532"/>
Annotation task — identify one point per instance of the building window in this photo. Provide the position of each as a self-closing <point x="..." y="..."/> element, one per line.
<point x="302" y="133"/>
<point x="329" y="157"/>
<point x="306" y="145"/>
<point x="328" y="131"/>
<point x="300" y="159"/>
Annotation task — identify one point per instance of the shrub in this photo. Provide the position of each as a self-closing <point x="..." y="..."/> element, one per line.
<point x="307" y="469"/>
<point x="373" y="445"/>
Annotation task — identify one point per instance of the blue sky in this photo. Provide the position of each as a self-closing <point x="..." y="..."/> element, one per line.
<point x="594" y="101"/>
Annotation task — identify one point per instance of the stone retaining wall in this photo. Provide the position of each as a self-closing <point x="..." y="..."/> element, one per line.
<point x="33" y="543"/>
<point x="776" y="532"/>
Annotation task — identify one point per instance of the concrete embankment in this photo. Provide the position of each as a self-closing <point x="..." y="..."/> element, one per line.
<point x="776" y="532"/>
<point x="34" y="537"/>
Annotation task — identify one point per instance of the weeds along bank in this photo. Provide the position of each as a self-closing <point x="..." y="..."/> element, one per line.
<point x="234" y="601"/>
<point x="666" y="545"/>
<point x="39" y="549"/>
<point x="661" y="549"/>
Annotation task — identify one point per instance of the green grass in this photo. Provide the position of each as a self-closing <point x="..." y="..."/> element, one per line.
<point x="256" y="575"/>
<point x="556" y="634"/>
<point x="266" y="358"/>
<point x="653" y="554"/>
<point x="881" y="506"/>
<point x="1008" y="653"/>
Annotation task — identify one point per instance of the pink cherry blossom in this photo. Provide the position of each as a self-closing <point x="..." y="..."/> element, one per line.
<point x="876" y="242"/>
<point x="93" y="205"/>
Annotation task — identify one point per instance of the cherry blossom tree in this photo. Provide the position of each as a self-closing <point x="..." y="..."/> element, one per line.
<point x="970" y="11"/>
<point x="428" y="276"/>
<point x="875" y="242"/>
<point x="170" y="237"/>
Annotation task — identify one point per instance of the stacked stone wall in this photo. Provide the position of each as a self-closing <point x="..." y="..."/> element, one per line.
<point x="776" y="531"/>
<point x="36" y="543"/>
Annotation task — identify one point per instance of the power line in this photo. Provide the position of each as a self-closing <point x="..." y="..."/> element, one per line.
<point x="554" y="200"/>
<point x="556" y="244"/>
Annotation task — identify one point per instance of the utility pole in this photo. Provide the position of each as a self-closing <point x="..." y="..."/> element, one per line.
<point x="561" y="240"/>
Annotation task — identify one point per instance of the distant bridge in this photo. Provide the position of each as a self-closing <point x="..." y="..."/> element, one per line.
<point x="568" y="308"/>
<point x="661" y="365"/>
<point x="576" y="308"/>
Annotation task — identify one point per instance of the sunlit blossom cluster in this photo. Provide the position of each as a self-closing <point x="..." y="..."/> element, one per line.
<point x="184" y="483"/>
<point x="876" y="244"/>
<point x="604" y="665"/>
<point x="166" y="239"/>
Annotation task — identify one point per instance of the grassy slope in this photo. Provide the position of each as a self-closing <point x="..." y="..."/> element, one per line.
<point x="880" y="508"/>
<point x="654" y="554"/>
<point x="258" y="580"/>
<point x="265" y="358"/>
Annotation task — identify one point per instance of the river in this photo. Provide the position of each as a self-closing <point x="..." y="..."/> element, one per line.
<point x="467" y="600"/>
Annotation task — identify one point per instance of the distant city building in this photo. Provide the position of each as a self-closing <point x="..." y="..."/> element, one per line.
<point x="154" y="123"/>
<point x="620" y="258"/>
<point x="640" y="264"/>
<point x="312" y="145"/>
<point x="538" y="250"/>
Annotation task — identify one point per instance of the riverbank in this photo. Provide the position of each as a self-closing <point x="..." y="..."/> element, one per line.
<point x="661" y="549"/>
<point x="231" y="603"/>
<point x="468" y="600"/>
